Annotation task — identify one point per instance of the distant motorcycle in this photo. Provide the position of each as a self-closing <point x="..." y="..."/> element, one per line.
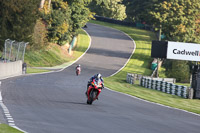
<point x="78" y="71"/>
<point x="93" y="91"/>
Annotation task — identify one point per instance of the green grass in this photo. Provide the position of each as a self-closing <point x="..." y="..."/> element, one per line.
<point x="7" y="129"/>
<point x="140" y="64"/>
<point x="82" y="45"/>
<point x="33" y="70"/>
<point x="53" y="57"/>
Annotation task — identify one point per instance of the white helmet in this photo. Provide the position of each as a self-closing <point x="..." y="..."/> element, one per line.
<point x="79" y="65"/>
<point x="98" y="76"/>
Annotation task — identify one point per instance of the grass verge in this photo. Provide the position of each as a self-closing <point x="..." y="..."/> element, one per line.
<point x="7" y="129"/>
<point x="140" y="64"/>
<point x="34" y="70"/>
<point x="55" y="55"/>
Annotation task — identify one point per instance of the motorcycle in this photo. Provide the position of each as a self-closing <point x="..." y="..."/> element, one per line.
<point x="93" y="91"/>
<point x="78" y="71"/>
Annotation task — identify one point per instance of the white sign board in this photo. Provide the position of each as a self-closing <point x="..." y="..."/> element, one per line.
<point x="183" y="51"/>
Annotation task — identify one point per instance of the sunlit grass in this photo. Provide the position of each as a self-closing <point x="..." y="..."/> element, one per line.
<point x="7" y="129"/>
<point x="54" y="57"/>
<point x="33" y="70"/>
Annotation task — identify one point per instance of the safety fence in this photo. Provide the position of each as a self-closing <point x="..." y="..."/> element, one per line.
<point x="13" y="51"/>
<point x="170" y="88"/>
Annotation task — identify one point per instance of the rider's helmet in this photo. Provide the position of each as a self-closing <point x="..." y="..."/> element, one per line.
<point x="79" y="65"/>
<point x="98" y="76"/>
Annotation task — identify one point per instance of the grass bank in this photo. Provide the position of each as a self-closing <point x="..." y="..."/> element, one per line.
<point x="55" y="55"/>
<point x="140" y="64"/>
<point x="7" y="129"/>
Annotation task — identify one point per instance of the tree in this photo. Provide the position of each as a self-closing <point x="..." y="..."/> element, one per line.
<point x="58" y="21"/>
<point x="65" y="18"/>
<point x="110" y="8"/>
<point x="180" y="70"/>
<point x="17" y="19"/>
<point x="138" y="10"/>
<point x="80" y="15"/>
<point x="178" y="19"/>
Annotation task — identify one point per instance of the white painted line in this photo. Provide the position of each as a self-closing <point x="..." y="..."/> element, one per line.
<point x="153" y="102"/>
<point x="19" y="129"/>
<point x="129" y="56"/>
<point x="0" y="97"/>
<point x="1" y="100"/>
<point x="9" y="118"/>
<point x="11" y="124"/>
<point x="10" y="121"/>
<point x="7" y="115"/>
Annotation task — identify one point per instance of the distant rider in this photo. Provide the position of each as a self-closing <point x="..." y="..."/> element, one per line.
<point x="78" y="68"/>
<point x="96" y="77"/>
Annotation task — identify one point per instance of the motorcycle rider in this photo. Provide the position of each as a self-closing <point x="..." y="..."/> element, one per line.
<point x="96" y="77"/>
<point x="78" y="67"/>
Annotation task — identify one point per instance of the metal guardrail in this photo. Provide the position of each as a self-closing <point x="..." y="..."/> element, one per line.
<point x="170" y="88"/>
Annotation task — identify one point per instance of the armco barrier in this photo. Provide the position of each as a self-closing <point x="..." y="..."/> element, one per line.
<point x="170" y="88"/>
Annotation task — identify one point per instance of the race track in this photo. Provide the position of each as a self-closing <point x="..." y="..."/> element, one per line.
<point x="56" y="103"/>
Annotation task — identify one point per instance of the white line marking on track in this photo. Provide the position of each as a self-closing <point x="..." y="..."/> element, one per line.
<point x="6" y="111"/>
<point x="9" y="118"/>
<point x="153" y="102"/>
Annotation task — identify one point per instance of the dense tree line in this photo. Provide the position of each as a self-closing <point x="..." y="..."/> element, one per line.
<point x="57" y="21"/>
<point x="178" y="19"/>
<point x="42" y="21"/>
<point x="64" y="19"/>
<point x="109" y="8"/>
<point x="17" y="19"/>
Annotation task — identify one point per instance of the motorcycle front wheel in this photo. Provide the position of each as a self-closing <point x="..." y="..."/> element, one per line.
<point x="92" y="96"/>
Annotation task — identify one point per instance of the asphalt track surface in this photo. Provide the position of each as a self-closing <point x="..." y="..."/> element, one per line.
<point x="55" y="102"/>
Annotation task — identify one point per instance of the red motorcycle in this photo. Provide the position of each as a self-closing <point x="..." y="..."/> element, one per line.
<point x="78" y="71"/>
<point x="93" y="91"/>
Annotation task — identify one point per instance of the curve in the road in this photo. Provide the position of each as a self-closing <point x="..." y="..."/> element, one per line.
<point x="107" y="49"/>
<point x="55" y="102"/>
